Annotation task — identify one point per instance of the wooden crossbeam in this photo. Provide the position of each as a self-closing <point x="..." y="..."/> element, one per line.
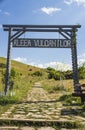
<point x="43" y="26"/>
<point x="78" y="94"/>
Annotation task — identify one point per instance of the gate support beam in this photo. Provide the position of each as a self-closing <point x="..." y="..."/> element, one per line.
<point x="74" y="61"/>
<point x="8" y="65"/>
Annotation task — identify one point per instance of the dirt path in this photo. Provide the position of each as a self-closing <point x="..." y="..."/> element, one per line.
<point x="37" y="93"/>
<point x="41" y="106"/>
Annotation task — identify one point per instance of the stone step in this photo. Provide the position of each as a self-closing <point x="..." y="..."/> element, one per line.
<point x="9" y="128"/>
<point x="30" y="128"/>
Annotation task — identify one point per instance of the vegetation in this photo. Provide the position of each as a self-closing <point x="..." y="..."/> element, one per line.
<point x="82" y="71"/>
<point x="22" y="78"/>
<point x="70" y="100"/>
<point x="53" y="85"/>
<point x="54" y="74"/>
<point x="56" y="125"/>
<point x="37" y="73"/>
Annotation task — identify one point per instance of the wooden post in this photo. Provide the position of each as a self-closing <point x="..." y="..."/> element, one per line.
<point x="74" y="61"/>
<point x="8" y="65"/>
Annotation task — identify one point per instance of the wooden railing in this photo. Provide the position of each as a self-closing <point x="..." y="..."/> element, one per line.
<point x="80" y="92"/>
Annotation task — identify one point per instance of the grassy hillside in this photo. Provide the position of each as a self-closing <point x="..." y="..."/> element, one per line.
<point x="24" y="80"/>
<point x="27" y="76"/>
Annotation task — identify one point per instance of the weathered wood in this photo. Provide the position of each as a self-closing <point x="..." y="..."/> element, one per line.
<point x="66" y="31"/>
<point x="42" y="26"/>
<point x="82" y="85"/>
<point x="80" y="93"/>
<point x="8" y="64"/>
<point x="38" y="30"/>
<point x="42" y="43"/>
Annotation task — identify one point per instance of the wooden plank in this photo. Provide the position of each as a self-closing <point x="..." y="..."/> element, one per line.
<point x="42" y="26"/>
<point x="42" y="43"/>
<point x="38" y="30"/>
<point x="83" y="85"/>
<point x="78" y="94"/>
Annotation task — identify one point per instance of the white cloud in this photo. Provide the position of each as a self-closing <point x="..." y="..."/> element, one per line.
<point x="50" y="10"/>
<point x="21" y="59"/>
<point x="81" y="59"/>
<point x="6" y="13"/>
<point x="78" y="2"/>
<point x="40" y="65"/>
<point x="0" y="26"/>
<point x="56" y="65"/>
<point x="68" y="2"/>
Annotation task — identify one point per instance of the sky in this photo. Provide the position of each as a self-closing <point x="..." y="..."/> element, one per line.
<point x="43" y="12"/>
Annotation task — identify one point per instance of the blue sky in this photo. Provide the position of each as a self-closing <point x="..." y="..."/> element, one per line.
<point x="49" y="12"/>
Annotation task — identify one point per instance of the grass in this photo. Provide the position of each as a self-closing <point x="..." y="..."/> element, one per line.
<point x="53" y="85"/>
<point x="70" y="100"/>
<point x="38" y="124"/>
<point x="26" y="82"/>
<point x="4" y="108"/>
<point x="21" y="86"/>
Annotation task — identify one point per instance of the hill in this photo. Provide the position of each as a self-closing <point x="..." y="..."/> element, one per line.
<point x="23" y="76"/>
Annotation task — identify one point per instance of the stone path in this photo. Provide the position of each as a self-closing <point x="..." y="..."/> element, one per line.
<point x="40" y="106"/>
<point x="34" y="128"/>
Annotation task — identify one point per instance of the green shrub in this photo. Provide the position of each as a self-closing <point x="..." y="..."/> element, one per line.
<point x="83" y="106"/>
<point x="54" y="89"/>
<point x="8" y="100"/>
<point x="54" y="74"/>
<point x="69" y="99"/>
<point x="68" y="74"/>
<point x="37" y="73"/>
<point x="82" y="71"/>
<point x="2" y="65"/>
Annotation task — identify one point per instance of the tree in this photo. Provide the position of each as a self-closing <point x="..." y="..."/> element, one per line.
<point x="68" y="74"/>
<point x="82" y="71"/>
<point x="13" y="76"/>
<point x="37" y="73"/>
<point x="52" y="73"/>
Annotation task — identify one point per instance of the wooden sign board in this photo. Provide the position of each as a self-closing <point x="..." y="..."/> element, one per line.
<point x="42" y="43"/>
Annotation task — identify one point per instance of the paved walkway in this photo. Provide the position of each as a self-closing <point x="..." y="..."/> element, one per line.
<point x="30" y="128"/>
<point x="41" y="106"/>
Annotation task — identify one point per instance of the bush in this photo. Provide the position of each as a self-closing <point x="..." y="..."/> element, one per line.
<point x="14" y="75"/>
<point x="82" y="71"/>
<point x="68" y="74"/>
<point x="37" y="73"/>
<point x="2" y="65"/>
<point x="8" y="100"/>
<point x="69" y="99"/>
<point x="54" y="74"/>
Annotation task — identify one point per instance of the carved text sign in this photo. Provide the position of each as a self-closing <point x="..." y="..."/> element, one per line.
<point x="42" y="43"/>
